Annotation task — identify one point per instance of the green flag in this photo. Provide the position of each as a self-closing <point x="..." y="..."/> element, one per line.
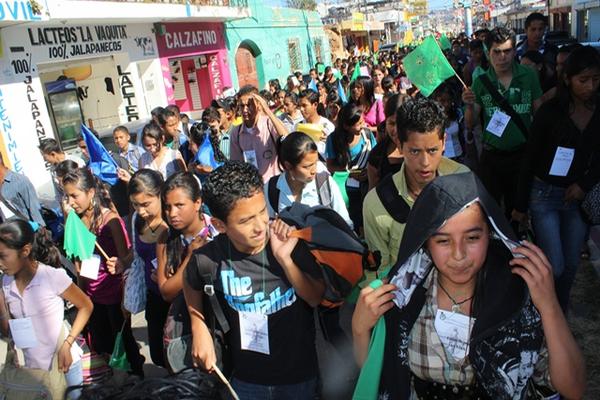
<point x="79" y="241"/>
<point x="445" y="43"/>
<point x="367" y="386"/>
<point x="376" y="58"/>
<point x="427" y="67"/>
<point x="356" y="72"/>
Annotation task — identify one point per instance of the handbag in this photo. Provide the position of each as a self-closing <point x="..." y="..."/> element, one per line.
<point x="134" y="292"/>
<point x="118" y="358"/>
<point x="591" y="204"/>
<point x="21" y="383"/>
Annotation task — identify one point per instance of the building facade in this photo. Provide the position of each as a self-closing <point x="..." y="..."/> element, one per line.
<point x="74" y="62"/>
<point x="273" y="44"/>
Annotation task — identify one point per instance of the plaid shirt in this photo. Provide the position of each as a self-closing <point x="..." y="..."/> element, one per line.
<point x="429" y="361"/>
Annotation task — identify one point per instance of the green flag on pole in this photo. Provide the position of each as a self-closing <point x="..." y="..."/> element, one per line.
<point x="356" y="72"/>
<point x="367" y="386"/>
<point x="445" y="43"/>
<point x="79" y="241"/>
<point x="427" y="67"/>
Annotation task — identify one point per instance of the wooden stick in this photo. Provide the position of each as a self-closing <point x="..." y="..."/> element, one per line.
<point x="101" y="250"/>
<point x="226" y="382"/>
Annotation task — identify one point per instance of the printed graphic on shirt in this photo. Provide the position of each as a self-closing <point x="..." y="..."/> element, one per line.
<point x="251" y="294"/>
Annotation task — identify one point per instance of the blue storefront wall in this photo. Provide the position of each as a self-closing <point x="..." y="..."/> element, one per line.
<point x="282" y="40"/>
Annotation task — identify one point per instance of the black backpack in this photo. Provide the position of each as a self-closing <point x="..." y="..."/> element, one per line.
<point x="177" y="336"/>
<point x="394" y="204"/>
<point x="323" y="190"/>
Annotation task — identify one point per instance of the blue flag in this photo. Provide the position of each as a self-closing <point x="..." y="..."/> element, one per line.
<point x="341" y="92"/>
<point x="101" y="162"/>
<point x="313" y="86"/>
<point x="206" y="154"/>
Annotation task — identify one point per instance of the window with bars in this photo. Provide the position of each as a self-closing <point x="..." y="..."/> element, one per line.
<point x="318" y="46"/>
<point x="295" y="54"/>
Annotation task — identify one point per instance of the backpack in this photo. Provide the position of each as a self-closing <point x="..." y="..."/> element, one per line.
<point x="394" y="204"/>
<point x="339" y="252"/>
<point x="323" y="190"/>
<point x="177" y="336"/>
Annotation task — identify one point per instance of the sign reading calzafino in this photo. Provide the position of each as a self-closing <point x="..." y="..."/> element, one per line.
<point x="73" y="41"/>
<point x="190" y="38"/>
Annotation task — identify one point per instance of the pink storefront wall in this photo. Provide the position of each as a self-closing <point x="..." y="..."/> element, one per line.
<point x="182" y="40"/>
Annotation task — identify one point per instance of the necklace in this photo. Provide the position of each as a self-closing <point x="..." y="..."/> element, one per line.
<point x="455" y="305"/>
<point x="153" y="231"/>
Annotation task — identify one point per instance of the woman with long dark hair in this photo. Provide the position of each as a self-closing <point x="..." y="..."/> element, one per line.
<point x="90" y="200"/>
<point x="348" y="149"/>
<point x="362" y="93"/>
<point x="147" y="226"/>
<point x="30" y="264"/>
<point x="562" y="163"/>
<point x="386" y="158"/>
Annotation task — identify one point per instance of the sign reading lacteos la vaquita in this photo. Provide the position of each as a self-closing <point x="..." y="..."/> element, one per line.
<point x="66" y="42"/>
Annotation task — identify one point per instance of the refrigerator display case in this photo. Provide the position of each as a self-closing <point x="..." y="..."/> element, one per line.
<point x="65" y="109"/>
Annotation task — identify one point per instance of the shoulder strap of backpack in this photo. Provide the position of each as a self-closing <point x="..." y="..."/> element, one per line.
<point x="393" y="203"/>
<point x="209" y="277"/>
<point x="503" y="104"/>
<point x="323" y="188"/>
<point x="273" y="193"/>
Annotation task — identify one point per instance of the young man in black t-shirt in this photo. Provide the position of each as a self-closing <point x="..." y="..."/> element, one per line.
<point x="267" y="297"/>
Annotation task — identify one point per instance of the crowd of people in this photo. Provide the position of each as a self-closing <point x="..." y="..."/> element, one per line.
<point x="443" y="188"/>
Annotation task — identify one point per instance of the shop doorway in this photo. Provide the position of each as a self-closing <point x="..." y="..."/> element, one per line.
<point x="245" y="65"/>
<point x="189" y="77"/>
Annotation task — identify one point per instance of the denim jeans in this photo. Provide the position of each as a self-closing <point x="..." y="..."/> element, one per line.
<point x="74" y="377"/>
<point x="560" y="232"/>
<point x="300" y="391"/>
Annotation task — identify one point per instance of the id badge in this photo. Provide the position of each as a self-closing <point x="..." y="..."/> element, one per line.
<point x="22" y="333"/>
<point x="254" y="332"/>
<point x="90" y="267"/>
<point x="498" y="123"/>
<point x="562" y="161"/>
<point x="250" y="157"/>
<point x="453" y="330"/>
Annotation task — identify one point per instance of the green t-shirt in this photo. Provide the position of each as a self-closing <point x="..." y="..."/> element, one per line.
<point x="523" y="91"/>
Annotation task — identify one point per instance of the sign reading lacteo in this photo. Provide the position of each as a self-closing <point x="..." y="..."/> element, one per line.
<point x="181" y="38"/>
<point x="72" y="41"/>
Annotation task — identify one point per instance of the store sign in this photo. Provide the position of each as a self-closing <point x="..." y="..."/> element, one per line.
<point x="128" y="93"/>
<point x="190" y="38"/>
<point x="19" y="11"/>
<point x="67" y="42"/>
<point x="25" y="47"/>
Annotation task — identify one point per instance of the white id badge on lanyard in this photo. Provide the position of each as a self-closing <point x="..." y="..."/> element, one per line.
<point x="254" y="332"/>
<point x="21" y="330"/>
<point x="498" y="123"/>
<point x="453" y="330"/>
<point x="90" y="267"/>
<point x="250" y="157"/>
<point x="562" y="161"/>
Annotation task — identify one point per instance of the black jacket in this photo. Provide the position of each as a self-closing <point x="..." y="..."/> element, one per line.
<point x="507" y="335"/>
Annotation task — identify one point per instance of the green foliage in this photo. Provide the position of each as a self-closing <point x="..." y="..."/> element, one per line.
<point x="308" y="5"/>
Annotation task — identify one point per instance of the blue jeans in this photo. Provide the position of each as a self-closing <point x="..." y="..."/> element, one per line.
<point x="300" y="391"/>
<point x="74" y="377"/>
<point x="560" y="232"/>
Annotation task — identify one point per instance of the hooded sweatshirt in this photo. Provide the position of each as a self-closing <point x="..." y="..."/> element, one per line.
<point x="507" y="335"/>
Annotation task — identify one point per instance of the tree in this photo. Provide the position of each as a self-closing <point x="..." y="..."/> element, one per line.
<point x="309" y="5"/>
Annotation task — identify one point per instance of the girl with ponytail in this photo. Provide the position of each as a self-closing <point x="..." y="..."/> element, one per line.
<point x="88" y="198"/>
<point x="33" y="288"/>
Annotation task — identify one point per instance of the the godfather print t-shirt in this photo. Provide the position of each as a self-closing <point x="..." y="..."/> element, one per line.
<point x="258" y="284"/>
